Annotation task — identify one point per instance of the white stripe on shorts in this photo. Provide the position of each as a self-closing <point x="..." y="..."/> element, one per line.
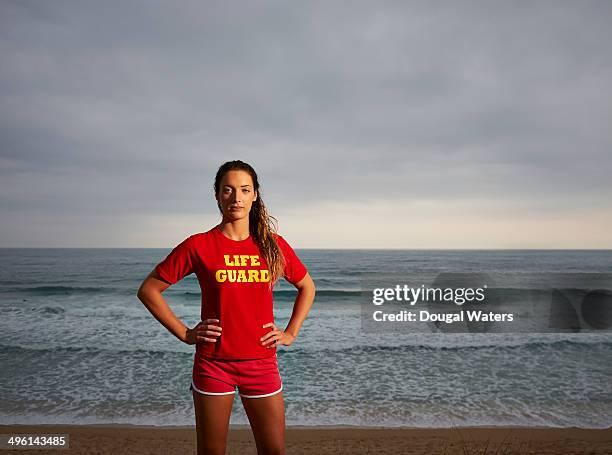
<point x="261" y="396"/>
<point x="210" y="393"/>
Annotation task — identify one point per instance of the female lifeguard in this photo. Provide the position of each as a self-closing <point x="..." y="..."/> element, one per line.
<point x="236" y="263"/>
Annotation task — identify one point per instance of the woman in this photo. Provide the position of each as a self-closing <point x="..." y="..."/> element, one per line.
<point x="237" y="264"/>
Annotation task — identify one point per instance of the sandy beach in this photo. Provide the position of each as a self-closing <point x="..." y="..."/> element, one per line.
<point x="125" y="439"/>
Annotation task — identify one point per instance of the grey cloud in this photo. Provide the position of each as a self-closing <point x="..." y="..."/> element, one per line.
<point x="124" y="100"/>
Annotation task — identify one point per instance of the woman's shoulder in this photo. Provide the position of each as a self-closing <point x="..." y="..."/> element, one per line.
<point x="282" y="241"/>
<point x="203" y="236"/>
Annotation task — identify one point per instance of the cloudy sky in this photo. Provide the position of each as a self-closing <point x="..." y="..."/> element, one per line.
<point x="370" y="124"/>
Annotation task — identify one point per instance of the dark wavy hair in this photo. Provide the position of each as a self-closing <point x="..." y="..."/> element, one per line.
<point x="262" y="225"/>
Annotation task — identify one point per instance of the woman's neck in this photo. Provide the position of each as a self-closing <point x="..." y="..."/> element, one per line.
<point x="235" y="230"/>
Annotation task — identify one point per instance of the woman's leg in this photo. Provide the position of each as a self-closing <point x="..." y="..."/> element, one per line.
<point x="267" y="418"/>
<point x="212" y="413"/>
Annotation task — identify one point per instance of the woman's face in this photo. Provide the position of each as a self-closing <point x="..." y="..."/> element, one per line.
<point x="236" y="195"/>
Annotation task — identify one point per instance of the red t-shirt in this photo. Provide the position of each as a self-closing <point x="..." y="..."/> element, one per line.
<point x="234" y="279"/>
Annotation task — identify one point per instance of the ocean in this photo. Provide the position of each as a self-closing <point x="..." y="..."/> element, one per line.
<point x="78" y="347"/>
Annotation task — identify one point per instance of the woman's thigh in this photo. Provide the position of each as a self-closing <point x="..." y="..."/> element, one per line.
<point x="267" y="418"/>
<point x="212" y="413"/>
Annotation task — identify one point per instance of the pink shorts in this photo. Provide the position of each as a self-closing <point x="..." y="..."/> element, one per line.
<point x="256" y="378"/>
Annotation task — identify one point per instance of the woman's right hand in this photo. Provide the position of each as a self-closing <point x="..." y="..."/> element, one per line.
<point x="203" y="331"/>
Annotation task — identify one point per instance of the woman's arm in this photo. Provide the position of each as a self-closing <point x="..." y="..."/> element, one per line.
<point x="303" y="303"/>
<point x="301" y="307"/>
<point x="150" y="294"/>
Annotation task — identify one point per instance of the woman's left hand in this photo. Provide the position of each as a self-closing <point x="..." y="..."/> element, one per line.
<point x="276" y="337"/>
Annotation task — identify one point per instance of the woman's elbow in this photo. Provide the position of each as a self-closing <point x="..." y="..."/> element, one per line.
<point x="151" y="285"/>
<point x="142" y="292"/>
<point x="309" y="287"/>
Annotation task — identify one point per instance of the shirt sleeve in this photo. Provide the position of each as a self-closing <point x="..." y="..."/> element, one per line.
<point x="295" y="270"/>
<point x="179" y="263"/>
